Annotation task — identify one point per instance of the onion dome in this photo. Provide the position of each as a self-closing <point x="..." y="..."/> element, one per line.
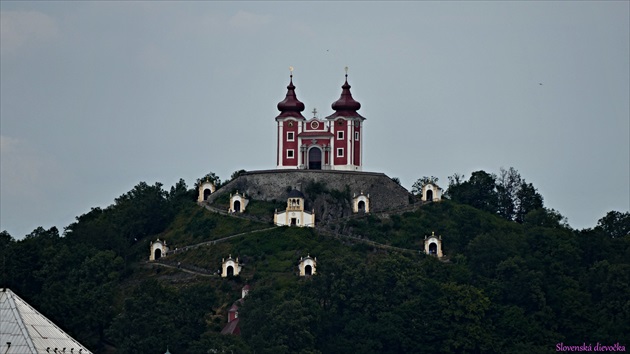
<point x="290" y="106"/>
<point x="296" y="194"/>
<point x="346" y="106"/>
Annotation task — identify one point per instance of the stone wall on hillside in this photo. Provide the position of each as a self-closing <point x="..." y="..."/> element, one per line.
<point x="270" y="185"/>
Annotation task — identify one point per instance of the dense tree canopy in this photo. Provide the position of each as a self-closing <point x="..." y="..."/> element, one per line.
<point x="517" y="278"/>
<point x="507" y="194"/>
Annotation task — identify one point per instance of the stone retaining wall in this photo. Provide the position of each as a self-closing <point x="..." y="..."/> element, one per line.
<point x="269" y="185"/>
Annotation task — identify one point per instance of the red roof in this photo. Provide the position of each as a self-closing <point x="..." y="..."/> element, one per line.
<point x="346" y="106"/>
<point x="322" y="133"/>
<point x="290" y="106"/>
<point x="232" y="328"/>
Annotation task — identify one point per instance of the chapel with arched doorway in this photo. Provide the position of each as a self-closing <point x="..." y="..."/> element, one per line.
<point x="307" y="266"/>
<point x="238" y="203"/>
<point x="230" y="267"/>
<point x="206" y="188"/>
<point x="361" y="203"/>
<point x="158" y="249"/>
<point x="331" y="143"/>
<point x="433" y="245"/>
<point x="431" y="192"/>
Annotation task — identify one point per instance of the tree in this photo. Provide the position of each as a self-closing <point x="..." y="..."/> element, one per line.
<point x="6" y="255"/>
<point x="516" y="197"/>
<point x="544" y="217"/>
<point x="479" y="191"/>
<point x="180" y="195"/>
<point x="508" y="184"/>
<point x="157" y="316"/>
<point x="421" y="182"/>
<point x="527" y="200"/>
<point x="178" y="190"/>
<point x="279" y="323"/>
<point x="141" y="212"/>
<point x="615" y="224"/>
<point x="211" y="177"/>
<point x="455" y="180"/>
<point x="465" y="308"/>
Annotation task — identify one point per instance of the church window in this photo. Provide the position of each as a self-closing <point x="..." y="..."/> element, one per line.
<point x="356" y="136"/>
<point x="340" y="135"/>
<point x="340" y="152"/>
<point x="290" y="136"/>
<point x="290" y="154"/>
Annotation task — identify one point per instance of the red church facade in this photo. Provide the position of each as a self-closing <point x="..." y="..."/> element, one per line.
<point x="332" y="143"/>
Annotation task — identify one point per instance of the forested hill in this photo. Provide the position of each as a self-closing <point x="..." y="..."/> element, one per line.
<point x="516" y="277"/>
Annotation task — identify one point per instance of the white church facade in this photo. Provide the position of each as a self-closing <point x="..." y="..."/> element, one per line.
<point x="295" y="215"/>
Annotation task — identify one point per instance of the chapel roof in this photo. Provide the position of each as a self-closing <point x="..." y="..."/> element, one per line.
<point x="296" y="194"/>
<point x="232" y="327"/>
<point x="291" y="106"/>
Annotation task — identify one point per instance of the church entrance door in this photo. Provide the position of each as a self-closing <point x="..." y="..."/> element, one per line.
<point x="315" y="159"/>
<point x="237" y="206"/>
<point x="433" y="248"/>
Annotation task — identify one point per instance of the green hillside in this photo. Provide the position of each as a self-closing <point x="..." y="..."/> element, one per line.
<point x="510" y="282"/>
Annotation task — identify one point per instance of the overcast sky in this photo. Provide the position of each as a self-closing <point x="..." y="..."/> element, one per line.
<point x="99" y="96"/>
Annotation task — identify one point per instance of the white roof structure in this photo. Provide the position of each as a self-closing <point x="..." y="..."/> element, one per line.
<point x="23" y="330"/>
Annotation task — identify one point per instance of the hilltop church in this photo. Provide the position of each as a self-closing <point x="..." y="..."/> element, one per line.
<point x="332" y="143"/>
<point x="324" y="151"/>
<point x="314" y="156"/>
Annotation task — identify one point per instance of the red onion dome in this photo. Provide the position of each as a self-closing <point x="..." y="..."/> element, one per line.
<point x="346" y="106"/>
<point x="290" y="106"/>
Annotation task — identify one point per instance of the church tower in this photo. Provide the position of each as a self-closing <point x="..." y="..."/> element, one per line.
<point x="347" y="128"/>
<point x="289" y="126"/>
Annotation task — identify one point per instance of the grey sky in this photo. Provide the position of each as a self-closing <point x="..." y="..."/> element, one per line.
<point x="98" y="96"/>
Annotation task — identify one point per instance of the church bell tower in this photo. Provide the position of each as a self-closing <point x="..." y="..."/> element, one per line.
<point x="289" y="126"/>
